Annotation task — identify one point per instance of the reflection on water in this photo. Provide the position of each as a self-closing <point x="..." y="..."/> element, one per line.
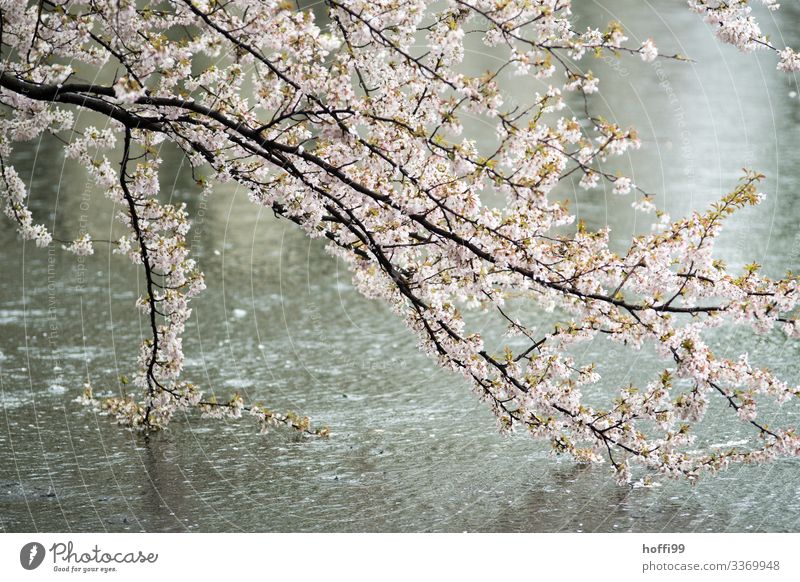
<point x="411" y="450"/>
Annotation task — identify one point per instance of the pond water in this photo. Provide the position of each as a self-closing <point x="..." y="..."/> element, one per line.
<point x="411" y="449"/>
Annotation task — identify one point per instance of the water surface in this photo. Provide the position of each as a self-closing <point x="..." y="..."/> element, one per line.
<point x="412" y="449"/>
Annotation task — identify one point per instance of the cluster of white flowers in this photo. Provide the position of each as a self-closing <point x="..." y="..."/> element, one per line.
<point x="623" y="185"/>
<point x="13" y="191"/>
<point x="81" y="246"/>
<point x="790" y="61"/>
<point x="735" y="24"/>
<point x="645" y="205"/>
<point x="648" y="51"/>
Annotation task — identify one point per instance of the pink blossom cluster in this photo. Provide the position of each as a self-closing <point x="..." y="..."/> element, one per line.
<point x="734" y="23"/>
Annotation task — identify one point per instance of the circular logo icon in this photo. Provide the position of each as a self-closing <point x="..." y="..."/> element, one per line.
<point x="31" y="555"/>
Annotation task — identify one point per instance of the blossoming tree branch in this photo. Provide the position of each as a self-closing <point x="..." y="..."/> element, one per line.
<point x="353" y="131"/>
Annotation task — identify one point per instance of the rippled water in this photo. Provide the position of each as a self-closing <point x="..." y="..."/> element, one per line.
<point x="412" y="449"/>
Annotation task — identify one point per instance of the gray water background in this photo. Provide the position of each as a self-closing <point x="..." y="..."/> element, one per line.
<point x="412" y="449"/>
